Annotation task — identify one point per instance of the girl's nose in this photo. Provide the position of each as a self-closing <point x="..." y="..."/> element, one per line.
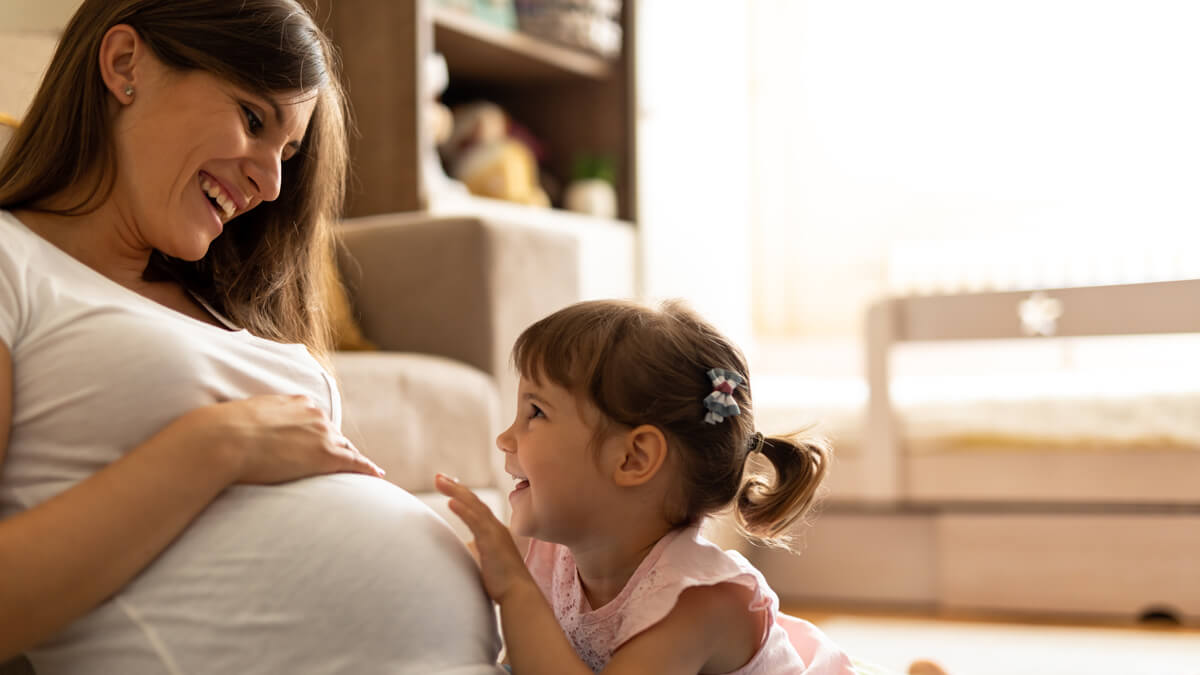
<point x="505" y="441"/>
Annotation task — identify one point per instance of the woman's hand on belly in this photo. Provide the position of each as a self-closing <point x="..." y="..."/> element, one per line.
<point x="272" y="439"/>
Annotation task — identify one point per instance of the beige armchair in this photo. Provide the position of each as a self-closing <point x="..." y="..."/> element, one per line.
<point x="444" y="298"/>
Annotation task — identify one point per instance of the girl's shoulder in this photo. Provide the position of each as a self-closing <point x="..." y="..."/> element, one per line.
<point x="711" y="578"/>
<point x="689" y="560"/>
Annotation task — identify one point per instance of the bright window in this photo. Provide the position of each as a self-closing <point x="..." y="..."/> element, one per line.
<point x="943" y="145"/>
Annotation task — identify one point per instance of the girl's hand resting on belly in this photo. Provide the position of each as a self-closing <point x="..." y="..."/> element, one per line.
<point x="271" y="439"/>
<point x="500" y="563"/>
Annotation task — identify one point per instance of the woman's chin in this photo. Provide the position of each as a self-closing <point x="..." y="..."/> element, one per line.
<point x="192" y="250"/>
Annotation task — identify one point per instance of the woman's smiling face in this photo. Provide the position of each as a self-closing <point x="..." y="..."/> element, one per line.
<point x="194" y="152"/>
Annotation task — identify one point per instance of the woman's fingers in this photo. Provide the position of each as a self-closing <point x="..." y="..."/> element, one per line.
<point x="360" y="463"/>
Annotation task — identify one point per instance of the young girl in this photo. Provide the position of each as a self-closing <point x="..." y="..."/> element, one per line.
<point x="633" y="425"/>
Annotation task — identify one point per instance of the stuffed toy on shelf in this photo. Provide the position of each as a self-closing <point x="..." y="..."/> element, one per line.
<point x="493" y="156"/>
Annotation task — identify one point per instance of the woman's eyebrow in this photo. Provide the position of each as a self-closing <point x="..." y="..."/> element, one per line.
<point x="277" y="113"/>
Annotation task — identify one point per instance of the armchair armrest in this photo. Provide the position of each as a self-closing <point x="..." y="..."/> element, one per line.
<point x="459" y="287"/>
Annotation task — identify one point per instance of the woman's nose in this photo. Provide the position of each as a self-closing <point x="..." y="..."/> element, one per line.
<point x="265" y="174"/>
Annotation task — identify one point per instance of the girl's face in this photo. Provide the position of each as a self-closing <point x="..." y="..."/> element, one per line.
<point x="194" y="152"/>
<point x="560" y="483"/>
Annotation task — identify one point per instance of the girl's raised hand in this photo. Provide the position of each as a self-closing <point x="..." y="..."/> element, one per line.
<point x="500" y="563"/>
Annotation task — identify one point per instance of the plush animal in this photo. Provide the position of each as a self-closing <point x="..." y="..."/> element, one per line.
<point x="493" y="156"/>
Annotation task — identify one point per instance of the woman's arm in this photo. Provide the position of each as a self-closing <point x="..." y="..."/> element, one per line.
<point x="65" y="556"/>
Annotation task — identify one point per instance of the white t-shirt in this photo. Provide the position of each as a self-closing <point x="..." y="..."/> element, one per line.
<point x="332" y="574"/>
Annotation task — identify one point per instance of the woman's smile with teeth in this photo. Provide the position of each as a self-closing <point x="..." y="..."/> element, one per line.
<point x="217" y="195"/>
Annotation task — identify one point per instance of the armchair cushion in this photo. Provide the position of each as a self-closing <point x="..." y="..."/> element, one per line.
<point x="460" y="287"/>
<point x="416" y="415"/>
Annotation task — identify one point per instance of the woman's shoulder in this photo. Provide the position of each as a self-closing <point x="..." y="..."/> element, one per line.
<point x="18" y="239"/>
<point x="17" y="258"/>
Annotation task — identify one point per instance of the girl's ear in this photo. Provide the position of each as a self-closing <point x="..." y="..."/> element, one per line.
<point x="644" y="451"/>
<point x="120" y="49"/>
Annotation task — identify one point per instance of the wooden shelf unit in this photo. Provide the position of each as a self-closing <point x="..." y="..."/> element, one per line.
<point x="572" y="101"/>
<point x="478" y="50"/>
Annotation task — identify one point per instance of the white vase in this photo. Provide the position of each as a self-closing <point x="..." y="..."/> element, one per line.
<point x="591" y="196"/>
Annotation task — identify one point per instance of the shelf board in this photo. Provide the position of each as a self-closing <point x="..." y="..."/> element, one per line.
<point x="456" y="203"/>
<point x="476" y="49"/>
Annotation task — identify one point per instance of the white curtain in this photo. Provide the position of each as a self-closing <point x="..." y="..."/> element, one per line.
<point x="940" y="145"/>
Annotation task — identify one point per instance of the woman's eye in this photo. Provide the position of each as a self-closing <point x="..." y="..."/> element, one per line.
<point x="253" y="121"/>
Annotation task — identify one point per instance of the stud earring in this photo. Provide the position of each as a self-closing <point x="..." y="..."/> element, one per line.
<point x="129" y="90"/>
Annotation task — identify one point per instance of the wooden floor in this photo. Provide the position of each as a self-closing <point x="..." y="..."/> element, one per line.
<point x="1008" y="645"/>
<point x="809" y="611"/>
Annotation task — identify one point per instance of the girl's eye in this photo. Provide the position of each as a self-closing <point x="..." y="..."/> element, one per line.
<point x="537" y="412"/>
<point x="253" y="121"/>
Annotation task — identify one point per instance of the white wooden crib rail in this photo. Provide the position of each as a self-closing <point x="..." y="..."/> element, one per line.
<point x="1128" y="309"/>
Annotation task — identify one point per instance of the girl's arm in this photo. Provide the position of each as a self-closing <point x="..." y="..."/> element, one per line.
<point x="65" y="556"/>
<point x="533" y="640"/>
<point x="709" y="626"/>
<point x="710" y="630"/>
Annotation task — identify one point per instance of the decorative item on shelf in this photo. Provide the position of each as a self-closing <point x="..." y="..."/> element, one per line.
<point x="494" y="156"/>
<point x="591" y="189"/>
<point x="500" y="13"/>
<point x="591" y="25"/>
<point x="439" y="125"/>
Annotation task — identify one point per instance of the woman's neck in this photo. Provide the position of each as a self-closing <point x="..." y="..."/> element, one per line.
<point x="96" y="239"/>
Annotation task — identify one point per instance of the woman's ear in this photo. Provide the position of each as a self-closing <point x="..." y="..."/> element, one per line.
<point x="644" y="452"/>
<point x="120" y="56"/>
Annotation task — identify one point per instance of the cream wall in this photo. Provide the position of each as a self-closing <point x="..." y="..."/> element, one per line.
<point x="36" y="15"/>
<point x="693" y="166"/>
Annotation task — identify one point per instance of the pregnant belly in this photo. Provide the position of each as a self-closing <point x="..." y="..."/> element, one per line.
<point x="342" y="573"/>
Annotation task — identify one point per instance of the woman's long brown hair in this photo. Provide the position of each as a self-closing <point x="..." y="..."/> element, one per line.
<point x="269" y="273"/>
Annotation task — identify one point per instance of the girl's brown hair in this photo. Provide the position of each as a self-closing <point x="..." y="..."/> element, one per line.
<point x="643" y="366"/>
<point x="269" y="274"/>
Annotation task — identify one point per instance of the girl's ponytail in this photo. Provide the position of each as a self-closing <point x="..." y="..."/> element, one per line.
<point x="766" y="510"/>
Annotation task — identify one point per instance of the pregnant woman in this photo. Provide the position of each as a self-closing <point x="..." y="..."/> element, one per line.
<point x="175" y="493"/>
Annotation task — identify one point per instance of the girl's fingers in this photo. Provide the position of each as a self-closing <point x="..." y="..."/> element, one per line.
<point x="474" y="520"/>
<point x="446" y="485"/>
<point x="452" y="488"/>
<point x="465" y="504"/>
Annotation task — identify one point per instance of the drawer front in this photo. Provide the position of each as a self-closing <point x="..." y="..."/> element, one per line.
<point x="1087" y="563"/>
<point x="863" y="557"/>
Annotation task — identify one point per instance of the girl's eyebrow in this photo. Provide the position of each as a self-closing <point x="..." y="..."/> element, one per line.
<point x="530" y="396"/>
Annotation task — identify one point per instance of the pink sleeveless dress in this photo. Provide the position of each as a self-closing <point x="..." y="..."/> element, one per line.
<point x="680" y="560"/>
